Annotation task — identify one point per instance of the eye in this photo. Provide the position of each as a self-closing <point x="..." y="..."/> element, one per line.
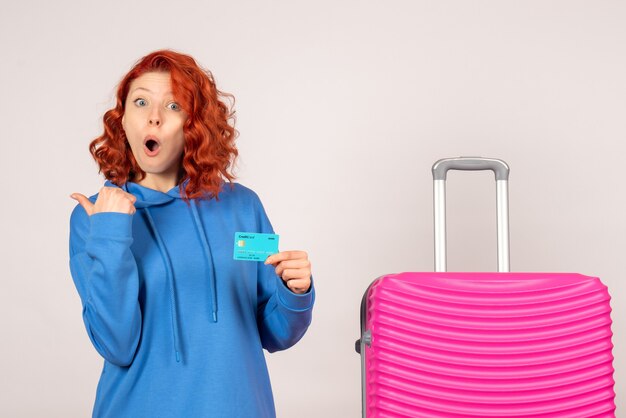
<point x="174" y="106"/>
<point x="140" y="102"/>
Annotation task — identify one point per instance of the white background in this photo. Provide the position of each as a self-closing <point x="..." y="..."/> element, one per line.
<point x="342" y="107"/>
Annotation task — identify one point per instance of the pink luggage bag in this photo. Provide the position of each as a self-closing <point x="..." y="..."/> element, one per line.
<point x="468" y="345"/>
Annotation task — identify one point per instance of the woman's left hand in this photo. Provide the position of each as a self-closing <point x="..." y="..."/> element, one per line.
<point x="294" y="268"/>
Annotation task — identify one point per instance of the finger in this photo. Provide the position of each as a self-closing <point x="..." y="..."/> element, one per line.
<point x="299" y="285"/>
<point x="292" y="264"/>
<point x="84" y="202"/>
<point x="114" y="190"/>
<point x="285" y="255"/>
<point x="294" y="274"/>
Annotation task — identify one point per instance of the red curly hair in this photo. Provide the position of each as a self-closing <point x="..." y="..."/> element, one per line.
<point x="209" y="137"/>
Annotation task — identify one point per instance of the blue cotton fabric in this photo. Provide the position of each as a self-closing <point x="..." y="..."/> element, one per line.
<point x="180" y="324"/>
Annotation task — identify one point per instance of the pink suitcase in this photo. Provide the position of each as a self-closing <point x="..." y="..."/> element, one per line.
<point x="467" y="345"/>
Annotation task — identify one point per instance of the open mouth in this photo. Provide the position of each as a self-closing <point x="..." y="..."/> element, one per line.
<point x="151" y="145"/>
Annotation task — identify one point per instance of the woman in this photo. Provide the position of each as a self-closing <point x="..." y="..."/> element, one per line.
<point x="180" y="323"/>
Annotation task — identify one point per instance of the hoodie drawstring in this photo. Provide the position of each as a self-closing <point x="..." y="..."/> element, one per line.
<point x="209" y="257"/>
<point x="170" y="278"/>
<point x="170" y="273"/>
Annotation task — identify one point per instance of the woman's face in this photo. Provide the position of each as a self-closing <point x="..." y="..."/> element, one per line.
<point x="153" y="122"/>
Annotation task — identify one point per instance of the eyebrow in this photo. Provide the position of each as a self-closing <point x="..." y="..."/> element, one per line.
<point x="149" y="91"/>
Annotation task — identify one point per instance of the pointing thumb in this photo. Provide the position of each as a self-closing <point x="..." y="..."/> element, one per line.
<point x="84" y="202"/>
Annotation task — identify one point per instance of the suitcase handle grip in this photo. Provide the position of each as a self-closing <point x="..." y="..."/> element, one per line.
<point x="499" y="167"/>
<point x="501" y="171"/>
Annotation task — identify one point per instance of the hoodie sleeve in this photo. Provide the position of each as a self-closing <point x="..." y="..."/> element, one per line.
<point x="283" y="316"/>
<point x="105" y="274"/>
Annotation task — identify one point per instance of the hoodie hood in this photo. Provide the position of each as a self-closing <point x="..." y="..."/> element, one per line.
<point x="147" y="198"/>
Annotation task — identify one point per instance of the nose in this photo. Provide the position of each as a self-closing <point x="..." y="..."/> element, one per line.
<point x="154" y="119"/>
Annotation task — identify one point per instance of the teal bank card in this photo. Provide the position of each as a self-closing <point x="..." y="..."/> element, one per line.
<point x="253" y="246"/>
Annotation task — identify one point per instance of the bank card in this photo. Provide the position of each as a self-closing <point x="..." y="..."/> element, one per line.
<point x="252" y="246"/>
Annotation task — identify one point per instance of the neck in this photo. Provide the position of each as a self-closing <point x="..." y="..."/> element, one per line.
<point x="158" y="182"/>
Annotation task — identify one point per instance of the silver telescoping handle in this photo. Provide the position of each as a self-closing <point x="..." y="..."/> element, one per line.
<point x="501" y="171"/>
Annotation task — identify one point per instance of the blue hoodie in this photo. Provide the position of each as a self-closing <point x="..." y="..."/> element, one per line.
<point x="180" y="324"/>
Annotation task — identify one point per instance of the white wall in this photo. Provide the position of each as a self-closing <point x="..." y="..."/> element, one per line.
<point x="342" y="108"/>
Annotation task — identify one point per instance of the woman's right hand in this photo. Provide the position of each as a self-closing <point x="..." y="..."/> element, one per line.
<point x="110" y="199"/>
